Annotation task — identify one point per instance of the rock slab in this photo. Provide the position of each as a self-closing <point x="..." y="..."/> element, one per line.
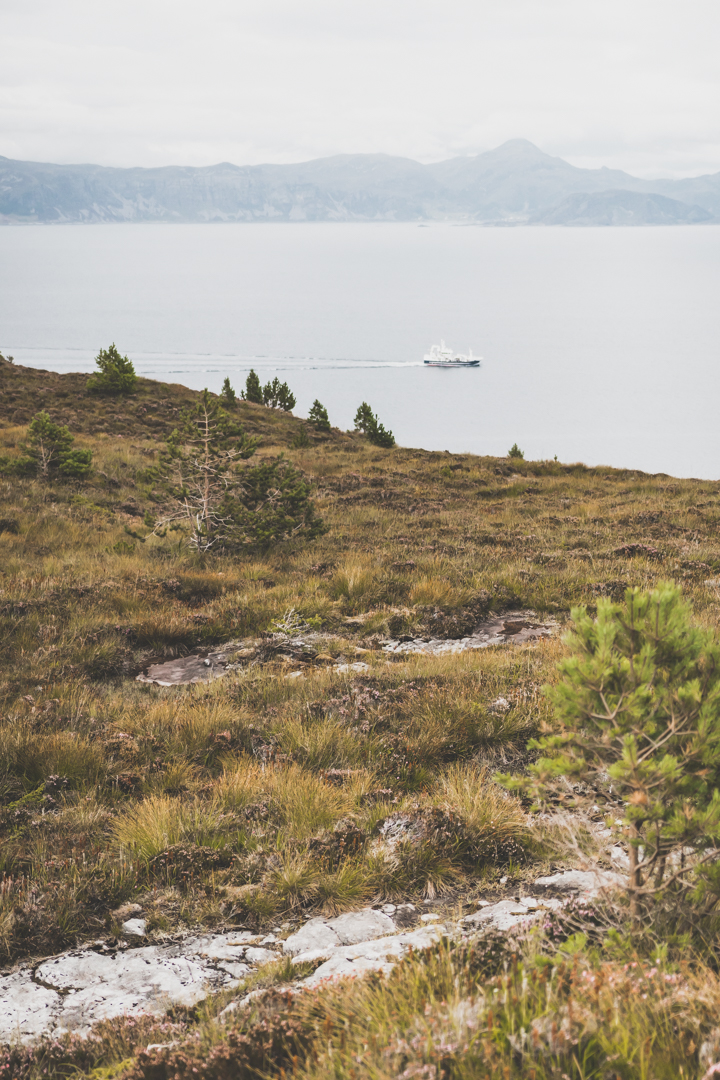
<point x="583" y="882"/>
<point x="514" y="627"/>
<point x="185" y="670"/>
<point x="348" y="929"/>
<point x="73" y="991"/>
<point x="377" y="955"/>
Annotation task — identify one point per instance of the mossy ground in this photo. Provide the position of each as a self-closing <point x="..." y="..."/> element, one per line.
<point x="256" y="799"/>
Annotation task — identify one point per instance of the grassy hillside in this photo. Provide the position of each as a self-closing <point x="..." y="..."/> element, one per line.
<point x="255" y="800"/>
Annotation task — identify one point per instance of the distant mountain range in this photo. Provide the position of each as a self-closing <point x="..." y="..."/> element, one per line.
<point x="516" y="184"/>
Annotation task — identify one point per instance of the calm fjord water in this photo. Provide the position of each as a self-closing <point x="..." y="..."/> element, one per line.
<point x="599" y="345"/>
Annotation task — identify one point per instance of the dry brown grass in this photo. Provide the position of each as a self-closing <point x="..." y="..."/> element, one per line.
<point x="419" y="543"/>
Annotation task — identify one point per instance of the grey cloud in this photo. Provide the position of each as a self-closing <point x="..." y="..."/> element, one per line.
<point x="633" y="85"/>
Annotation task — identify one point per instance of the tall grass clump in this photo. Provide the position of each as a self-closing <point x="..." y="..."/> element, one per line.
<point x="496" y="823"/>
<point x="159" y="822"/>
<point x="303" y="804"/>
<point x="32" y="757"/>
<point x="353" y="581"/>
<point x="240" y="783"/>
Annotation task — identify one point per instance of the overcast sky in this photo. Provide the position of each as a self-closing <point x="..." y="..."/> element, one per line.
<point x="633" y="84"/>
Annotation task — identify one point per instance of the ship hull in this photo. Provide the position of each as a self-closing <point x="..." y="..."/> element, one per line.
<point x="452" y="363"/>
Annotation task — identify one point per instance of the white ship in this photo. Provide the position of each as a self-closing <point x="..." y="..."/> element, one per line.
<point x="441" y="356"/>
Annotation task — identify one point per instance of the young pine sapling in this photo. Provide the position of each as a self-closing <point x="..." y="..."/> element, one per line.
<point x="318" y="416"/>
<point x="638" y="733"/>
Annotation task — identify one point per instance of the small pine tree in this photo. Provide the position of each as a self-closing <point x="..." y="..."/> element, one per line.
<point x="277" y="395"/>
<point x="638" y="731"/>
<point x="380" y="436"/>
<point x="367" y="422"/>
<point x="49" y="449"/>
<point x="116" y="374"/>
<point x="364" y="418"/>
<point x="516" y="452"/>
<point x="318" y="416"/>
<point x="198" y="468"/>
<point x="271" y="504"/>
<point x="227" y="394"/>
<point x="253" y="389"/>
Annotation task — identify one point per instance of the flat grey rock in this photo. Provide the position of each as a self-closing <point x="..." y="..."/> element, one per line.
<point x="356" y="926"/>
<point x="70" y="993"/>
<point x="339" y="967"/>
<point x="94" y="987"/>
<point x="73" y="991"/>
<point x="502" y="916"/>
<point x="316" y="934"/>
<point x="185" y="670"/>
<point x="585" y="882"/>
<point x="27" y="1010"/>
<point x="514" y="627"/>
<point x="377" y="955"/>
<point x="217" y="946"/>
<point x="312" y="955"/>
<point x="259" y="956"/>
<point x="235" y="969"/>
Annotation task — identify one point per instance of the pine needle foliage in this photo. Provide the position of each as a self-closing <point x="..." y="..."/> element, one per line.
<point x="227" y="394"/>
<point x="277" y="395"/>
<point x="270" y="504"/>
<point x="364" y="418"/>
<point x="318" y="416"/>
<point x="638" y="714"/>
<point x="301" y="439"/>
<point x="367" y="422"/>
<point x="253" y="389"/>
<point x="49" y="450"/>
<point x="116" y="373"/>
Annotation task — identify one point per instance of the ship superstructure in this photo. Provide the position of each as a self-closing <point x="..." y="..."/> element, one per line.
<point x="441" y="356"/>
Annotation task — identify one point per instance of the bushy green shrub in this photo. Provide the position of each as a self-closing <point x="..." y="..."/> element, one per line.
<point x="197" y="469"/>
<point x="76" y="464"/>
<point x="49" y="451"/>
<point x="227" y="508"/>
<point x="516" y="452"/>
<point x="271" y="504"/>
<point x="116" y="373"/>
<point x="364" y="418"/>
<point x="274" y="394"/>
<point x="300" y="439"/>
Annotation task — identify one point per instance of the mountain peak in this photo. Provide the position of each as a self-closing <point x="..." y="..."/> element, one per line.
<point x="520" y="148"/>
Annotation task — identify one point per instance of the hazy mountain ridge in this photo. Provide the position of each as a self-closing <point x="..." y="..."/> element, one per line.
<point x="514" y="184"/>
<point x="621" y="207"/>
